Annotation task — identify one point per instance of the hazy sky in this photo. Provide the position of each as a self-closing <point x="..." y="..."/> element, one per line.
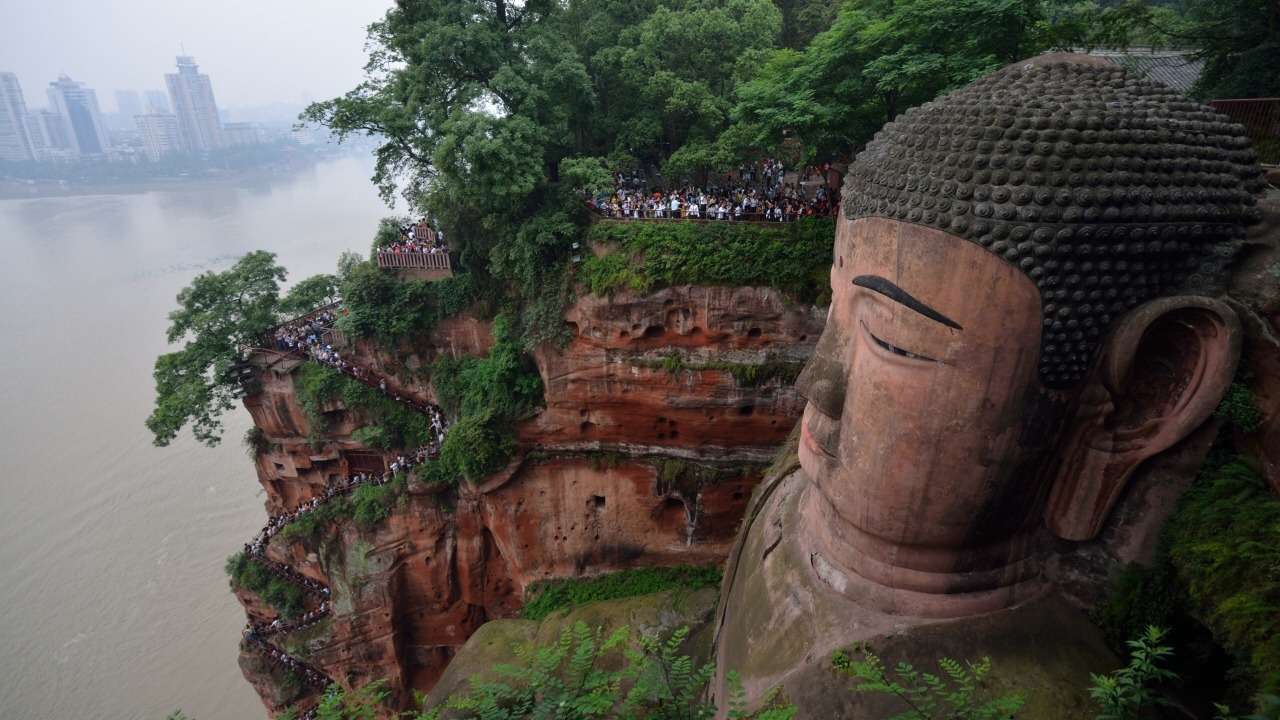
<point x="256" y="51"/>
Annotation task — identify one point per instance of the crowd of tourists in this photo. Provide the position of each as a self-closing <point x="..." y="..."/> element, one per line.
<point x="275" y="655"/>
<point x="304" y="334"/>
<point x="309" y="336"/>
<point x="280" y="626"/>
<point x="419" y="238"/>
<point x="756" y="192"/>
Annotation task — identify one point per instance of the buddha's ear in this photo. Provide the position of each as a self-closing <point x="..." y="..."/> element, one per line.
<point x="1163" y="371"/>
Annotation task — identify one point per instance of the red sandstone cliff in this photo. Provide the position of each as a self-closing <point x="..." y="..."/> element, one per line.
<point x="640" y="458"/>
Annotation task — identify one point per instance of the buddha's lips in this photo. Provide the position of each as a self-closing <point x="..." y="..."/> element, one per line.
<point x="809" y="440"/>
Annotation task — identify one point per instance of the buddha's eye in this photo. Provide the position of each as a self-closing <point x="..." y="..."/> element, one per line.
<point x="895" y="349"/>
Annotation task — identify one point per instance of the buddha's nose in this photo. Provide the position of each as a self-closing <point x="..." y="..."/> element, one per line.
<point x="823" y="381"/>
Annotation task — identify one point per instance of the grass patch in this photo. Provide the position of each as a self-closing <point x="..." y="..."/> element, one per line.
<point x="548" y="596"/>
<point x="247" y="573"/>
<point x="792" y="257"/>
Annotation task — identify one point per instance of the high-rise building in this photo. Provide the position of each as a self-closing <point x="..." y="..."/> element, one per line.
<point x="193" y="103"/>
<point x="128" y="103"/>
<point x="49" y="139"/>
<point x="238" y="134"/>
<point x="158" y="102"/>
<point x="161" y="134"/>
<point x="78" y="106"/>
<point x="15" y="138"/>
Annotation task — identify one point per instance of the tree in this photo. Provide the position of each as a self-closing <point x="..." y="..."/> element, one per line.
<point x="876" y="60"/>
<point x="218" y="314"/>
<point x="316" y="291"/>
<point x="496" y="116"/>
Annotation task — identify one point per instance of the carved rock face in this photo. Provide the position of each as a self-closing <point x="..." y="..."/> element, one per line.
<point x="1107" y="190"/>
<point x="991" y="244"/>
<point x="915" y="425"/>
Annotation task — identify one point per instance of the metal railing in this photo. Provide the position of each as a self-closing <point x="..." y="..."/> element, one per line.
<point x="1261" y="120"/>
<point x="415" y="260"/>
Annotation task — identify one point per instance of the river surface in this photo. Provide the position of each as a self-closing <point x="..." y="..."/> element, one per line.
<point x="113" y="600"/>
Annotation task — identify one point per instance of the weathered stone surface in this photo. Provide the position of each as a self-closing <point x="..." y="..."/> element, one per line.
<point x="781" y="616"/>
<point x="609" y="386"/>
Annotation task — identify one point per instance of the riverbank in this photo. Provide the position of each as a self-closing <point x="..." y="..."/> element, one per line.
<point x="31" y="189"/>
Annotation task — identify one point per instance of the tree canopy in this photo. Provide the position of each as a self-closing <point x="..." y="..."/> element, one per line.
<point x="217" y="315"/>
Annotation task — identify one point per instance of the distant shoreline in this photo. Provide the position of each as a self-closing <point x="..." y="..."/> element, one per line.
<point x="16" y="189"/>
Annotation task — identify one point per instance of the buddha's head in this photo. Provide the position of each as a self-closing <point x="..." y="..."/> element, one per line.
<point x="1020" y="308"/>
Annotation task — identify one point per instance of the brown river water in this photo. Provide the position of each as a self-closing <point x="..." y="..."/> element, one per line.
<point x="113" y="601"/>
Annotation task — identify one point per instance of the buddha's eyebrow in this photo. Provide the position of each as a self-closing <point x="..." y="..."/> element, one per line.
<point x="875" y="283"/>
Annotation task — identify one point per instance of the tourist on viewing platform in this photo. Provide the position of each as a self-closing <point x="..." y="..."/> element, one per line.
<point x="419" y="238"/>
<point x="755" y="192"/>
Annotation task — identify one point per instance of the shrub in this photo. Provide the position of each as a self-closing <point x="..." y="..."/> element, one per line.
<point x="249" y="574"/>
<point x="256" y="442"/>
<point x="389" y="425"/>
<point x="586" y="674"/>
<point x="549" y="596"/>
<point x="475" y="446"/>
<point x="1129" y="691"/>
<point x="1239" y="409"/>
<point x="383" y="307"/>
<point x="1224" y="543"/>
<point x="794" y="257"/>
<point x="486" y="397"/>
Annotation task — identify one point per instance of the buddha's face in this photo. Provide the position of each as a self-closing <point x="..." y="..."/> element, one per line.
<point x="918" y="394"/>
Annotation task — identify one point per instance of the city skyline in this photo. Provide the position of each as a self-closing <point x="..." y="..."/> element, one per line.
<point x="185" y="118"/>
<point x="260" y="53"/>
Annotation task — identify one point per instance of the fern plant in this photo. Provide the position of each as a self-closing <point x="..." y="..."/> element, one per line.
<point x="954" y="694"/>
<point x="1128" y="691"/>
<point x="773" y="708"/>
<point x="665" y="685"/>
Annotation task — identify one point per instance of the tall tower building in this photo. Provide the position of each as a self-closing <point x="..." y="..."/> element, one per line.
<point x="157" y="102"/>
<point x="193" y="103"/>
<point x="78" y="106"/>
<point x="49" y="139"/>
<point x="15" y="138"/>
<point x="161" y="135"/>
<point x="129" y="103"/>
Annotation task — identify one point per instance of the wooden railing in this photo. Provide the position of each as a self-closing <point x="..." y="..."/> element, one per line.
<point x="1261" y="120"/>
<point x="417" y="260"/>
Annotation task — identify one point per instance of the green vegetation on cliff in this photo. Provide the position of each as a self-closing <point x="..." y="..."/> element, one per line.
<point x="385" y="308"/>
<point x="247" y="573"/>
<point x="746" y="375"/>
<point x="546" y="597"/>
<point x="388" y="425"/>
<point x="218" y="314"/>
<point x="1215" y="583"/>
<point x="484" y="397"/>
<point x="794" y="257"/>
<point x="368" y="506"/>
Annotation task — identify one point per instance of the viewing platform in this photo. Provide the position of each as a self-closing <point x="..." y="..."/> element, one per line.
<point x="417" y="265"/>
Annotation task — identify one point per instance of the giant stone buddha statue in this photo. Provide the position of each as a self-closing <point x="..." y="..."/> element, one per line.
<point x="1022" y="313"/>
